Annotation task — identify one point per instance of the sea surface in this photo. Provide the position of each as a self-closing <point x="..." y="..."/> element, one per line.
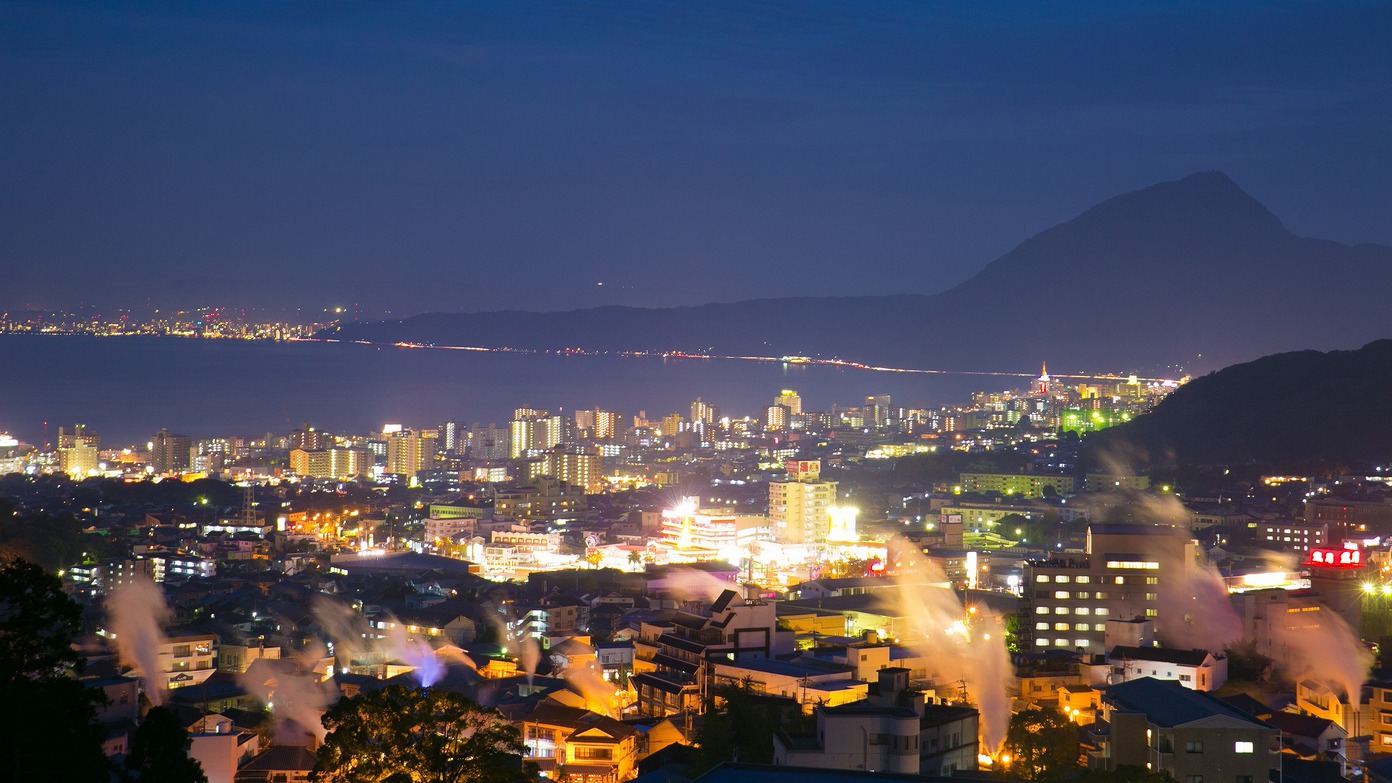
<point x="126" y="388"/>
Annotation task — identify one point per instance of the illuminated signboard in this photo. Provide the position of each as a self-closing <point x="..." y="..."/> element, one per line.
<point x="1336" y="558"/>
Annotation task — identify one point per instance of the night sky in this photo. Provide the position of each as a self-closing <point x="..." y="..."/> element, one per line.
<point x="515" y="155"/>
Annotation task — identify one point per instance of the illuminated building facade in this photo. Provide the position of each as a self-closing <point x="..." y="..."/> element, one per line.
<point x="1028" y="485"/>
<point x="800" y="507"/>
<point x="169" y="452"/>
<point x="409" y="452"/>
<point x="331" y="463"/>
<point x="720" y="530"/>
<point x="1068" y="599"/>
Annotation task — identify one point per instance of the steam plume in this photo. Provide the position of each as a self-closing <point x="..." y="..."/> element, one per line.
<point x="135" y="612"/>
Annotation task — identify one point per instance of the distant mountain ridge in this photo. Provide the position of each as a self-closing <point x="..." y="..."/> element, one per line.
<point x="1288" y="410"/>
<point x="1158" y="276"/>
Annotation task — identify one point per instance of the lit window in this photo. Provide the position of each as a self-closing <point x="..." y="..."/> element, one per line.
<point x="1060" y="642"/>
<point x="1082" y="627"/>
<point x="1100" y="611"/>
<point x="1121" y="580"/>
<point x="1060" y="610"/>
<point x="1060" y="626"/>
<point x="1041" y="610"/>
<point x="1041" y="626"/>
<point x="1242" y="747"/>
<point x="1061" y="579"/>
<point x="1041" y="642"/>
<point x="1061" y="594"/>
<point x="1042" y="578"/>
<point x="1080" y="642"/>
<point x="1083" y="580"/>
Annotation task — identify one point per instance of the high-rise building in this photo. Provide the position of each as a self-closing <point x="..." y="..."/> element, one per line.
<point x="77" y="451"/>
<point x="776" y="417"/>
<point x="488" y="442"/>
<point x="790" y="400"/>
<point x="876" y="412"/>
<point x="331" y="463"/>
<point x="170" y="452"/>
<point x="576" y="466"/>
<point x="310" y="439"/>
<point x="1123" y="575"/>
<point x="800" y="507"/>
<point x="606" y="424"/>
<point x="672" y="424"/>
<point x="409" y="452"/>
<point x="703" y="416"/>
<point x="452" y="437"/>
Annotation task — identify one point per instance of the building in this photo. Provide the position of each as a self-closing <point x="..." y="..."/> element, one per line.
<point x="170" y="452"/>
<point x="686" y="526"/>
<point x="800" y="507"/>
<point x="1199" y="670"/>
<point x="897" y="730"/>
<point x="77" y="451"/>
<point x="1111" y="482"/>
<point x="1026" y="485"/>
<point x="544" y="498"/>
<point x="576" y="466"/>
<point x="1190" y="735"/>
<point x="409" y="452"/>
<point x="569" y="743"/>
<point x="1293" y="536"/>
<point x="1350" y="518"/>
<point x="534" y="431"/>
<point x="331" y="463"/>
<point x="1069" y="598"/>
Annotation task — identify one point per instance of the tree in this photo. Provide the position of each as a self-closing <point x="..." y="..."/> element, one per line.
<point x="400" y="735"/>
<point x="48" y="727"/>
<point x="1041" y="745"/>
<point x="159" y="752"/>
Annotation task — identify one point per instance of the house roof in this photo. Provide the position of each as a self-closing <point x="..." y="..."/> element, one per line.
<point x="281" y="758"/>
<point x="1167" y="703"/>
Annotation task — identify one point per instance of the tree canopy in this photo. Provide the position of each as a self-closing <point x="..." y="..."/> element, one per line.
<point x="159" y="752"/>
<point x="401" y="735"/>
<point x="1041" y="744"/>
<point x="48" y="728"/>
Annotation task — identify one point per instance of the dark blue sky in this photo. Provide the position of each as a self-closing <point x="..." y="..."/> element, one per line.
<point x="421" y="157"/>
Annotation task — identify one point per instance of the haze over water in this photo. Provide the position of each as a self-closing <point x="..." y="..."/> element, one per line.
<point x="126" y="388"/>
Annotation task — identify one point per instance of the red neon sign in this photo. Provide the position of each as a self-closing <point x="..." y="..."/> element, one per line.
<point x="1336" y="558"/>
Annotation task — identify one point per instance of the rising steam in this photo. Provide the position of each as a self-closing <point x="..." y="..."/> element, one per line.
<point x="135" y="613"/>
<point x="960" y="645"/>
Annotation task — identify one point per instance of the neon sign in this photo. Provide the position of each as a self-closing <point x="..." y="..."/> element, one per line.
<point x="1336" y="558"/>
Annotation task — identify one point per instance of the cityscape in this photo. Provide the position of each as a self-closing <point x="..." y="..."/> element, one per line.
<point x="696" y="393"/>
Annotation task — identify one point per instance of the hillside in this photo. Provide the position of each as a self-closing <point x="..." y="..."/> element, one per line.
<point x="1291" y="409"/>
<point x="1193" y="271"/>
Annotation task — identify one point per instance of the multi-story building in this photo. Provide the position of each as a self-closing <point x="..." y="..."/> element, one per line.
<point x="897" y="730"/>
<point x="410" y="451"/>
<point x="77" y="451"/>
<point x="569" y="743"/>
<point x="1191" y="736"/>
<point x="1069" y="598"/>
<point x="1351" y="518"/>
<point x="688" y="526"/>
<point x="535" y="431"/>
<point x="542" y="499"/>
<point x="170" y="452"/>
<point x="1293" y="536"/>
<point x="1027" y="485"/>
<point x="800" y="507"/>
<point x="331" y="463"/>
<point x="1200" y="670"/>
<point x="703" y="417"/>
<point x="575" y="465"/>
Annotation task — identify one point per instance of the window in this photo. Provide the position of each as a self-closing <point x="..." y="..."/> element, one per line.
<point x="1100" y="596"/>
<point x="877" y="739"/>
<point x="1081" y="642"/>
<point x="1061" y="594"/>
<point x="1185" y="678"/>
<point x="1061" y="579"/>
<point x="603" y="754"/>
<point x="1082" y="594"/>
<point x="1082" y="627"/>
<point x="1152" y="580"/>
<point x="1041" y="626"/>
<point x="1083" y="580"/>
<point x="1151" y="613"/>
<point x="1060" y="626"/>
<point x="1150" y="596"/>
<point x="1082" y="610"/>
<point x="1242" y="747"/>
<point x="1041" y="610"/>
<point x="1100" y="611"/>
<point x="1121" y="580"/>
<point x="1193" y="747"/>
<point x="1042" y="578"/>
<point x="1060" y="642"/>
<point x="1060" y="610"/>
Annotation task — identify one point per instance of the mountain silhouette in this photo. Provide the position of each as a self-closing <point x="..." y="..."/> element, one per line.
<point x="1294" y="410"/>
<point x="1193" y="272"/>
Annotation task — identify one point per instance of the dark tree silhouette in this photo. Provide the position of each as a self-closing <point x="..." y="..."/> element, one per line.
<point x="159" y="752"/>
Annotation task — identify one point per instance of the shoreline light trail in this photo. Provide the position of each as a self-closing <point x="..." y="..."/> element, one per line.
<point x="803" y="361"/>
